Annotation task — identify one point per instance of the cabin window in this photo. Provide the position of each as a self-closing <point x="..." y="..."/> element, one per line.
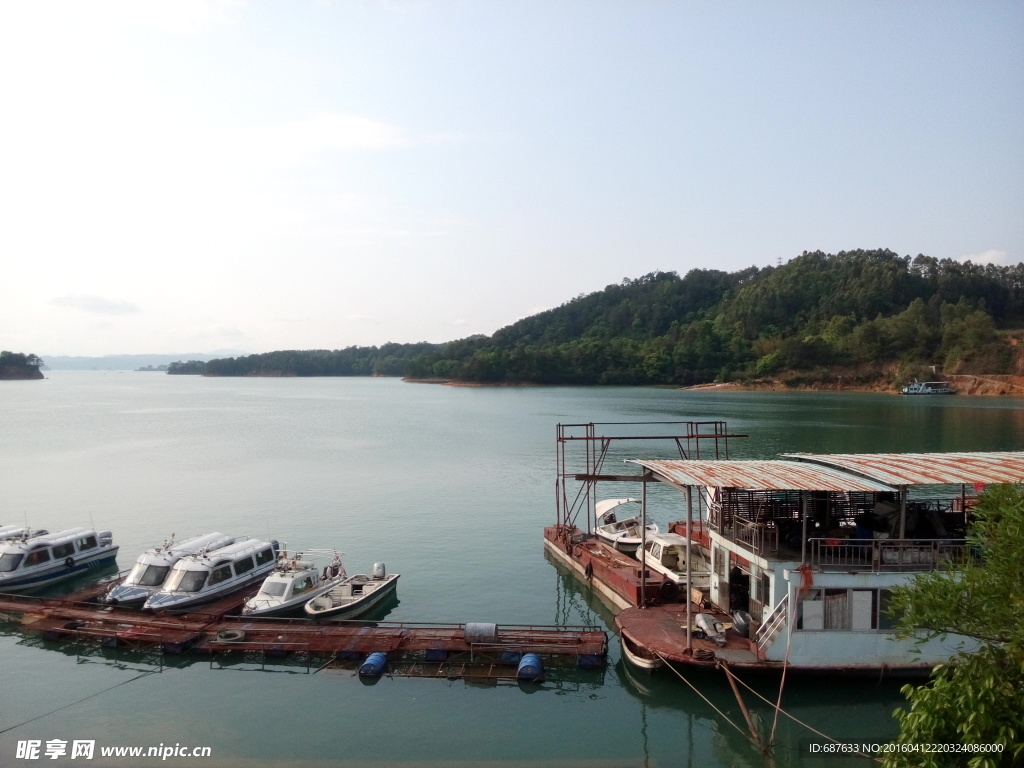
<point x="86" y="542"/>
<point x="303" y="585"/>
<point x="845" y="609"/>
<point x="265" y="556"/>
<point x="148" y="575"/>
<point x="223" y="573"/>
<point x="274" y="588"/>
<point x="37" y="557"/>
<point x="63" y="550"/>
<point x="244" y="565"/>
<point x="186" y="581"/>
<point x="10" y="561"/>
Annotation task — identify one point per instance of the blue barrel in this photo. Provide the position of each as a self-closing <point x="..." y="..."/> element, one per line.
<point x="374" y="665"/>
<point x="530" y="668"/>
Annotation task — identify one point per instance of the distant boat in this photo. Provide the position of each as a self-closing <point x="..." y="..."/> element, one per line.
<point x="928" y="388"/>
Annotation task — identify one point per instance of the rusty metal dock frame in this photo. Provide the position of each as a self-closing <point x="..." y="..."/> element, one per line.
<point x="687" y="436"/>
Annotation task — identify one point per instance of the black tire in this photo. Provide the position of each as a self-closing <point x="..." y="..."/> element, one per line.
<point x="69" y="562"/>
<point x="669" y="591"/>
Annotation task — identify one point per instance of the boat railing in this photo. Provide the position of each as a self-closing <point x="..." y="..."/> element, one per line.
<point x="770" y="629"/>
<point x="885" y="555"/>
<point x="761" y="538"/>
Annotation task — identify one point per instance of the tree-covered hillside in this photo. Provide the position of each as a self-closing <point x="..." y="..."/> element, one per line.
<point x="818" y="310"/>
<point x="386" y="360"/>
<point x="18" y="365"/>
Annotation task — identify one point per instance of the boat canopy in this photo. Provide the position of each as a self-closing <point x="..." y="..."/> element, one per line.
<point x="773" y="475"/>
<point x="902" y="469"/>
<point x="602" y="508"/>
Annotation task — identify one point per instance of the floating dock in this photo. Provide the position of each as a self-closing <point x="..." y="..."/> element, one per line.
<point x="440" y="650"/>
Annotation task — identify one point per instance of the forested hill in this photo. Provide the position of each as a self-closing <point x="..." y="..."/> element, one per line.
<point x="18" y="365"/>
<point x="386" y="360"/>
<point x="819" y="311"/>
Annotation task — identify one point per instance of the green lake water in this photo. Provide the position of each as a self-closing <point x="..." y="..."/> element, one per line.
<point x="449" y="486"/>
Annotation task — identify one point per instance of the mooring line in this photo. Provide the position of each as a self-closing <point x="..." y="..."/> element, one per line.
<point x="801" y="722"/>
<point x="73" y="703"/>
<point x="708" y="701"/>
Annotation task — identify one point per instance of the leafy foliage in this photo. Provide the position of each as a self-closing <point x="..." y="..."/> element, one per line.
<point x="979" y="698"/>
<point x="192" y="367"/>
<point x="818" y="310"/>
<point x="386" y="360"/>
<point x="17" y="365"/>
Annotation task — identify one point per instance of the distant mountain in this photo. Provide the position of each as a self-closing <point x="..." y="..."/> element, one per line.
<point x="126" y="362"/>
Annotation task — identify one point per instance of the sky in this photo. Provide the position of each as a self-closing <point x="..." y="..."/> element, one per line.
<point x="203" y="175"/>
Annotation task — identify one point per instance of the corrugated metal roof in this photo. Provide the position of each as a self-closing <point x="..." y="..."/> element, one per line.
<point x="774" y="475"/>
<point x="925" y="468"/>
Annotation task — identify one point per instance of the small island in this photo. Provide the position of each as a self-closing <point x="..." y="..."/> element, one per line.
<point x="17" y="365"/>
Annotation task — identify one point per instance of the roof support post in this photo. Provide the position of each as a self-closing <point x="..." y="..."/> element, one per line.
<point x="803" y="536"/>
<point x="903" y="512"/>
<point x="689" y="570"/>
<point x="643" y="543"/>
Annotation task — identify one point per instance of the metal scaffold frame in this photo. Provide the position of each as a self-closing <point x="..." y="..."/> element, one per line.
<point x="687" y="437"/>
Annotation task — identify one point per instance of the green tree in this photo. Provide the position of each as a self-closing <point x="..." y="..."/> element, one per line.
<point x="979" y="697"/>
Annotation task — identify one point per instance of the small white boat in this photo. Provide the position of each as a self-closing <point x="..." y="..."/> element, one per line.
<point x="666" y="554"/>
<point x="624" y="534"/>
<point x="639" y="656"/>
<point x="293" y="583"/>
<point x="205" y="576"/>
<point x="153" y="566"/>
<point x="928" y="388"/>
<point x="353" y="596"/>
<point x="34" y="559"/>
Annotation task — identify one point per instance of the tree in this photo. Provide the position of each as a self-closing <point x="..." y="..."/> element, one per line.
<point x="979" y="697"/>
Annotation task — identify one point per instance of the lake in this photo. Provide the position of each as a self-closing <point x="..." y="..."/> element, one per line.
<point x="449" y="486"/>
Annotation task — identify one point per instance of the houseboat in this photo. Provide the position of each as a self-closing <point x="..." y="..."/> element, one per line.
<point x="808" y="549"/>
<point x="33" y="559"/>
<point x="206" y="576"/>
<point x="153" y="566"/>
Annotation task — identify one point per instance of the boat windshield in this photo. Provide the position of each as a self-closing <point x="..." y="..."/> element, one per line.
<point x="10" y="561"/>
<point x="274" y="588"/>
<point x="186" y="581"/>
<point x="148" y="575"/>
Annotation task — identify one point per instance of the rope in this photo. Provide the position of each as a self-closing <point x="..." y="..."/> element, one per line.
<point x="801" y="722"/>
<point x="73" y="703"/>
<point x="706" y="700"/>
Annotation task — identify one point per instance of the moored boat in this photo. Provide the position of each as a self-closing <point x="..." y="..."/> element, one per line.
<point x="37" y="559"/>
<point x="928" y="388"/>
<point x="666" y="554"/>
<point x="293" y="583"/>
<point x="625" y="534"/>
<point x="206" y="576"/>
<point x="353" y="596"/>
<point x="154" y="565"/>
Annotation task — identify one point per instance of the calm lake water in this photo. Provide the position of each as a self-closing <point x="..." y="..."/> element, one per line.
<point x="451" y="487"/>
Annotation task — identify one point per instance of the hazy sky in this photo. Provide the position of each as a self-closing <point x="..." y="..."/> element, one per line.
<point x="193" y="176"/>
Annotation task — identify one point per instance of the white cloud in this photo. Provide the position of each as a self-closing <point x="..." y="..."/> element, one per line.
<point x="301" y="139"/>
<point x="990" y="256"/>
<point x="96" y="304"/>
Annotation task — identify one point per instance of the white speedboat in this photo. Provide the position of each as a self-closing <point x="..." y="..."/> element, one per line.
<point x="622" y="534"/>
<point x="153" y="566"/>
<point x="293" y="583"/>
<point x="353" y="596"/>
<point x="206" y="576"/>
<point x="37" y="559"/>
<point x="666" y="554"/>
